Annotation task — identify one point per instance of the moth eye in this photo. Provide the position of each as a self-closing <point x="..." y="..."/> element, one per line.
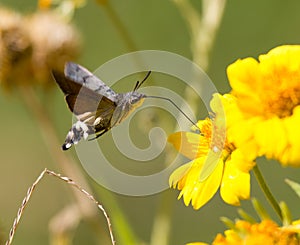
<point x="134" y="100"/>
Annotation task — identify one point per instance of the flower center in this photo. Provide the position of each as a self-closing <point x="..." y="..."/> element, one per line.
<point x="283" y="104"/>
<point x="215" y="134"/>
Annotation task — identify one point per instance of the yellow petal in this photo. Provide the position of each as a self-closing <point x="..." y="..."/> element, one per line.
<point x="235" y="184"/>
<point x="187" y="143"/>
<point x="196" y="192"/>
<point x="244" y="76"/>
<point x="291" y="154"/>
<point x="197" y="243"/>
<point x="44" y="4"/>
<point x="271" y="136"/>
<point x="294" y="227"/>
<point x="211" y="162"/>
<point x="178" y="174"/>
<point x="241" y="161"/>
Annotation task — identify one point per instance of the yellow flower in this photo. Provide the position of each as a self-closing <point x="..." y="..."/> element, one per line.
<point x="266" y="232"/>
<point x="47" y="4"/>
<point x="211" y="153"/>
<point x="197" y="243"/>
<point x="44" y="4"/>
<point x="266" y="102"/>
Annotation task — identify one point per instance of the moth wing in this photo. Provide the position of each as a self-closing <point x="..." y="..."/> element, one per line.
<point x="82" y="101"/>
<point x="87" y="79"/>
<point x="210" y="165"/>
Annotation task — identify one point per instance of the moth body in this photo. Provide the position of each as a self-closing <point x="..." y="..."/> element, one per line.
<point x="127" y="103"/>
<point x="96" y="106"/>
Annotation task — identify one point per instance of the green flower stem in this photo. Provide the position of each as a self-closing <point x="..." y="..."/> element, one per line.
<point x="162" y="221"/>
<point x="123" y="32"/>
<point x="266" y="191"/>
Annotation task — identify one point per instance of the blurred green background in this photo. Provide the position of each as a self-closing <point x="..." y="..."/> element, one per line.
<point x="248" y="28"/>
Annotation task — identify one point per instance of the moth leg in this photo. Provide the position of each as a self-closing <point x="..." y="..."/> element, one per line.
<point x="97" y="136"/>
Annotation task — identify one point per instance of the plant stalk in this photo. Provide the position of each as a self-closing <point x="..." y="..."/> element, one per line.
<point x="263" y="185"/>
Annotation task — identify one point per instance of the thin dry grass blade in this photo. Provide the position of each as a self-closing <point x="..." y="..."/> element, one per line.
<point x="68" y="181"/>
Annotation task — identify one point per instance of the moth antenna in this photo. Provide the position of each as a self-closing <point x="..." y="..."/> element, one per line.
<point x="186" y="116"/>
<point x="136" y="86"/>
<point x="139" y="84"/>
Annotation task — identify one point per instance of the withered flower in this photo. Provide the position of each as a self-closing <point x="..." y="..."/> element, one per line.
<point x="31" y="46"/>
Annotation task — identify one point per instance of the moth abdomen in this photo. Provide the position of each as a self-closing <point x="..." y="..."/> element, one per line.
<point x="78" y="131"/>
